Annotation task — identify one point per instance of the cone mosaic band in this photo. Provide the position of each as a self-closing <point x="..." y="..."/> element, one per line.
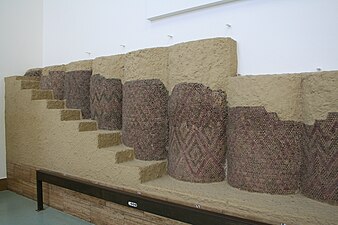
<point x="264" y="153"/>
<point x="197" y="140"/>
<point x="106" y="102"/>
<point x="54" y="81"/>
<point x="77" y="87"/>
<point x="145" y="118"/>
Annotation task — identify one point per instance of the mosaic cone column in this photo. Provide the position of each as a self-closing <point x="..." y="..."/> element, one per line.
<point x="77" y="87"/>
<point x="145" y="118"/>
<point x="36" y="72"/>
<point x="197" y="139"/>
<point x="264" y="153"/>
<point x="320" y="164"/>
<point x="54" y="81"/>
<point x="106" y="102"/>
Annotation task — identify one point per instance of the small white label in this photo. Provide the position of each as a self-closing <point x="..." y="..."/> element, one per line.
<point x="132" y="204"/>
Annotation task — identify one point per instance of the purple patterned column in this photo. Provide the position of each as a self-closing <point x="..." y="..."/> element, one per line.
<point x="264" y="154"/>
<point x="106" y="102"/>
<point x="145" y="119"/>
<point x="77" y="86"/>
<point x="197" y="139"/>
<point x="54" y="81"/>
<point x="320" y="163"/>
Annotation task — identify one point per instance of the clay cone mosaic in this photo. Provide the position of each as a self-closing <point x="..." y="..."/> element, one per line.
<point x="54" y="81"/>
<point x="197" y="121"/>
<point x="264" y="153"/>
<point x="320" y="162"/>
<point x="106" y="102"/>
<point x="34" y="72"/>
<point x="145" y="119"/>
<point x="77" y="87"/>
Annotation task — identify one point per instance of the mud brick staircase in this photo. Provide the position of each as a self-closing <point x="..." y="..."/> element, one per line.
<point x="108" y="142"/>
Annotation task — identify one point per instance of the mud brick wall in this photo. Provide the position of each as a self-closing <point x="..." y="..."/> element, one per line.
<point x="264" y="153"/>
<point x="151" y="63"/>
<point x="197" y="122"/>
<point x="36" y="72"/>
<point x="209" y="62"/>
<point x="106" y="102"/>
<point x="320" y="162"/>
<point x="145" y="119"/>
<point x="77" y="87"/>
<point x="109" y="66"/>
<point x="54" y="81"/>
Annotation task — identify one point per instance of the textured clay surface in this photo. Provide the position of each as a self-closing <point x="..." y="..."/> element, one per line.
<point x="54" y="81"/>
<point x="106" y="102"/>
<point x="77" y="87"/>
<point x="47" y="69"/>
<point x="35" y="72"/>
<point x="320" y="162"/>
<point x="109" y="66"/>
<point x="36" y="137"/>
<point x="320" y="95"/>
<point x="264" y="153"/>
<point x="280" y="94"/>
<point x="149" y="63"/>
<point x="208" y="61"/>
<point x="79" y="65"/>
<point x="197" y="122"/>
<point x="145" y="118"/>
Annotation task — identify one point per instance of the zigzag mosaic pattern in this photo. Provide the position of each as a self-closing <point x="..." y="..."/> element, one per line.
<point x="77" y="87"/>
<point x="264" y="154"/>
<point x="320" y="164"/>
<point x="197" y="122"/>
<point x="106" y="102"/>
<point x="145" y="119"/>
<point x="54" y="81"/>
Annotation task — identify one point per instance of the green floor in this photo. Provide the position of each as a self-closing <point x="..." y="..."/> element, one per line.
<point x="18" y="210"/>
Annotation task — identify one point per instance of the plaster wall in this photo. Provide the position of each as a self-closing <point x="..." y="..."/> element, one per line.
<point x="21" y="49"/>
<point x="37" y="138"/>
<point x="280" y="36"/>
<point x="304" y="97"/>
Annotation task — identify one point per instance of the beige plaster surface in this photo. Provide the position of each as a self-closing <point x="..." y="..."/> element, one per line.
<point x="109" y="66"/>
<point x="208" y="61"/>
<point x="37" y="137"/>
<point x="79" y="65"/>
<point x="151" y="63"/>
<point x="301" y="97"/>
<point x="47" y="69"/>
<point x="319" y="95"/>
<point x="277" y="93"/>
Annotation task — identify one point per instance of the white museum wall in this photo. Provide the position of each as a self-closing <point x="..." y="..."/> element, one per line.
<point x="20" y="49"/>
<point x="277" y="36"/>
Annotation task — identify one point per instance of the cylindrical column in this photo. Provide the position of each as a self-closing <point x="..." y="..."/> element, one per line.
<point x="197" y="139"/>
<point x="264" y="153"/>
<point x="106" y="102"/>
<point x="320" y="162"/>
<point x="77" y="86"/>
<point x="145" y="118"/>
<point x="54" y="81"/>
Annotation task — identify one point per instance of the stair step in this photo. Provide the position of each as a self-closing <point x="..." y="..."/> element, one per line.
<point x="27" y="78"/>
<point x="56" y="104"/>
<point x="70" y="114"/>
<point x="122" y="153"/>
<point x="87" y="125"/>
<point x="42" y="94"/>
<point x="30" y="84"/>
<point x="148" y="170"/>
<point x="108" y="138"/>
